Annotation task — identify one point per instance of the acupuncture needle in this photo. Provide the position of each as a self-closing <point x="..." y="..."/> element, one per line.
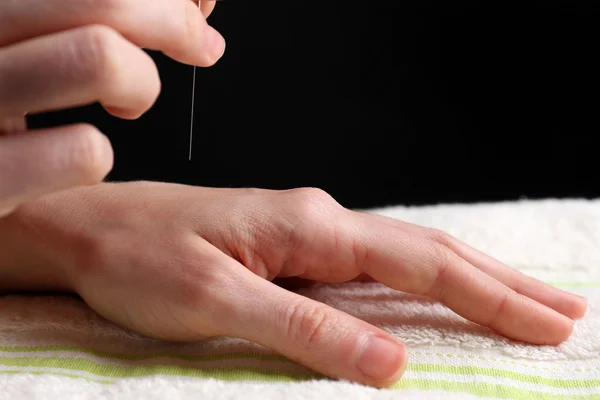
<point x="193" y="101"/>
<point x="194" y="98"/>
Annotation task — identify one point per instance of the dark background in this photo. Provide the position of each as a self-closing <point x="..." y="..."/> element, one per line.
<point x="411" y="102"/>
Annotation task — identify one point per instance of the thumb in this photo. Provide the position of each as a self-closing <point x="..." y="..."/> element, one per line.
<point x="35" y="163"/>
<point x="207" y="7"/>
<point x="320" y="337"/>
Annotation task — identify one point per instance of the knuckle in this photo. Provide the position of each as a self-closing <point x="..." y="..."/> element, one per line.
<point x="313" y="202"/>
<point x="443" y="260"/>
<point x="95" y="55"/>
<point x="499" y="310"/>
<point x="308" y="325"/>
<point x="441" y="237"/>
<point x="312" y="194"/>
<point x="89" y="154"/>
<point x="360" y="254"/>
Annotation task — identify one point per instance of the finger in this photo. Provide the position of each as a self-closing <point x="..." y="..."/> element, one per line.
<point x="328" y="243"/>
<point x="76" y="68"/>
<point x="39" y="162"/>
<point x="207" y="7"/>
<point x="322" y="338"/>
<point x="412" y="264"/>
<point x="11" y="125"/>
<point x="175" y="27"/>
<point x="568" y="304"/>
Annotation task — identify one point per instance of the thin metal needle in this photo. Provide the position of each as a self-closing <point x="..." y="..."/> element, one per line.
<point x="192" y="117"/>
<point x="193" y="101"/>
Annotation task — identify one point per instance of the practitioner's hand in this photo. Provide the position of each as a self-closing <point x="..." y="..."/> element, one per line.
<point x="64" y="53"/>
<point x="185" y="263"/>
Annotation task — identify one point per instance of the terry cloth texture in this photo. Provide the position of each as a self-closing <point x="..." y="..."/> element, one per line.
<point x="55" y="347"/>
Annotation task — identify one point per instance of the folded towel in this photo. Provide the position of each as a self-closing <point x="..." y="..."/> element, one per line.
<point x="55" y="347"/>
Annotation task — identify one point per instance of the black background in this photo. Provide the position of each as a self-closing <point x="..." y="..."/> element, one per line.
<point x="410" y="102"/>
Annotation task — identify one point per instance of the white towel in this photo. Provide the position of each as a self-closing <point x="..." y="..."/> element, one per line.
<point x="56" y="348"/>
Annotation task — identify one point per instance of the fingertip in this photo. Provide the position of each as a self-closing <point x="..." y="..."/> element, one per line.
<point x="562" y="330"/>
<point x="202" y="45"/>
<point x="93" y="156"/>
<point x="569" y="304"/>
<point x="214" y="47"/>
<point x="552" y="329"/>
<point x="577" y="307"/>
<point x="53" y="159"/>
<point x="395" y="378"/>
<point x="382" y="360"/>
<point x="524" y="319"/>
<point x="207" y="7"/>
<point x="322" y="338"/>
<point x="123" y="113"/>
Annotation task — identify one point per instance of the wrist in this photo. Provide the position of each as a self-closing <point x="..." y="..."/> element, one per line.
<point x="28" y="247"/>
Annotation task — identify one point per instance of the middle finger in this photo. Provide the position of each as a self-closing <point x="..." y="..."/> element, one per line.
<point x="76" y="68"/>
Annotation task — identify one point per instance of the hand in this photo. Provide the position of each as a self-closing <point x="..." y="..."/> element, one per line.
<point x="65" y="53"/>
<point x="185" y="263"/>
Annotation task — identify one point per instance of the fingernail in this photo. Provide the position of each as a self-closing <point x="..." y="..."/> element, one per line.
<point x="380" y="358"/>
<point x="216" y="43"/>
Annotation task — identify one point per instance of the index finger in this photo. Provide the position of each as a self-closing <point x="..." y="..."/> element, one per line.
<point x="175" y="27"/>
<point x="417" y="265"/>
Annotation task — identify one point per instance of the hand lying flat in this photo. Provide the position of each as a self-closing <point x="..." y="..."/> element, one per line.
<point x="185" y="263"/>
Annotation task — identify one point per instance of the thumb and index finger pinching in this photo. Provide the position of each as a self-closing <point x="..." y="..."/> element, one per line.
<point x="35" y="163"/>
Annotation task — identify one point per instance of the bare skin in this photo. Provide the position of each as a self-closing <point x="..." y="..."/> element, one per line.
<point x="185" y="263"/>
<point x="65" y="53"/>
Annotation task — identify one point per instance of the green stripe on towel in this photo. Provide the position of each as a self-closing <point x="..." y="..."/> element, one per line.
<point x="477" y="389"/>
<point x="107" y="370"/>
